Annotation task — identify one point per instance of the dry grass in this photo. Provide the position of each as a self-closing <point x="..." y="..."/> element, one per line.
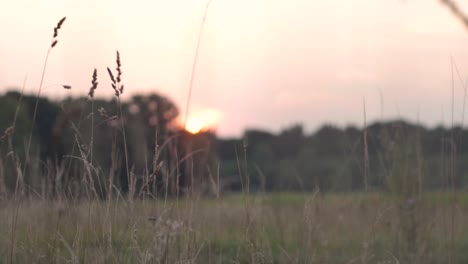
<point x="283" y="228"/>
<point x="392" y="227"/>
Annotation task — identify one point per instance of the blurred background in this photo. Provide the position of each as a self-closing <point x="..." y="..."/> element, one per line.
<point x="314" y="94"/>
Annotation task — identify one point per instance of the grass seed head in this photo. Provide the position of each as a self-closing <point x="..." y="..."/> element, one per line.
<point x="94" y="84"/>
<point x="59" y="25"/>
<point x="56" y="28"/>
<point x="119" y="70"/>
<point x="116" y="85"/>
<point x="111" y="75"/>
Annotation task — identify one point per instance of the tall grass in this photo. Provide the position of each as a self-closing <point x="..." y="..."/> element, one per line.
<point x="53" y="43"/>
<point x="283" y="228"/>
<point x="403" y="224"/>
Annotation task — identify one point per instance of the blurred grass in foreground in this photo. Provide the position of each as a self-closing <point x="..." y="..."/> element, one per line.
<point x="258" y="228"/>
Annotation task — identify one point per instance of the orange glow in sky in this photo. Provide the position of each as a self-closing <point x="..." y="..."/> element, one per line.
<point x="203" y="121"/>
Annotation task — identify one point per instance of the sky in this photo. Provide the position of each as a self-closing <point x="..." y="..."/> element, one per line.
<point x="265" y="64"/>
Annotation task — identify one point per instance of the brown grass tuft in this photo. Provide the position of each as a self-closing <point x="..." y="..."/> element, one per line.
<point x="59" y="25"/>
<point x="111" y="75"/>
<point x="56" y="28"/>
<point x="116" y="85"/>
<point x="119" y="71"/>
<point x="94" y="84"/>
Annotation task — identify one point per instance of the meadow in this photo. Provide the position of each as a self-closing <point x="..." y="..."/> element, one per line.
<point x="100" y="204"/>
<point x="239" y="228"/>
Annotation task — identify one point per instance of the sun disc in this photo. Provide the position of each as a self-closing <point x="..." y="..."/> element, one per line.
<point x="203" y="121"/>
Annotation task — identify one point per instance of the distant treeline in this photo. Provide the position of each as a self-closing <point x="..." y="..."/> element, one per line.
<point x="79" y="142"/>
<point x="394" y="155"/>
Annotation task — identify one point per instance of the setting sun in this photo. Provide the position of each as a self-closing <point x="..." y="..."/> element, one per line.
<point x="202" y="121"/>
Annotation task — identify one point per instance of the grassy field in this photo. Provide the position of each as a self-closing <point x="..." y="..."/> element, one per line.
<point x="260" y="228"/>
<point x="403" y="225"/>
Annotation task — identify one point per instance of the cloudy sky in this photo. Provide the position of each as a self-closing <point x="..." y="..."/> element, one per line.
<point x="262" y="63"/>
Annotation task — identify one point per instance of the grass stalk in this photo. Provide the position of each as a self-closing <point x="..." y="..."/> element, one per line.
<point x="194" y="64"/>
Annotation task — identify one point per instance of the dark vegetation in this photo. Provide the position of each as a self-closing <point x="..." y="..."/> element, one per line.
<point x="163" y="158"/>
<point x="63" y="140"/>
